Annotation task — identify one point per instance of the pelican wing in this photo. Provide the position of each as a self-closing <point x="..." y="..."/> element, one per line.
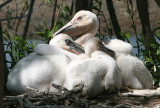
<point x="45" y="49"/>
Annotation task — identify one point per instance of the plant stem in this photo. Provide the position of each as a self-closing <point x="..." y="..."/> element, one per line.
<point x="53" y="14"/>
<point x="133" y="25"/>
<point x="28" y="19"/>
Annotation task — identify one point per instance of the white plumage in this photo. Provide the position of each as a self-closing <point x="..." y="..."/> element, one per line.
<point x="40" y="69"/>
<point x="126" y="61"/>
<point x="119" y="46"/>
<point x="98" y="73"/>
<point x="134" y="73"/>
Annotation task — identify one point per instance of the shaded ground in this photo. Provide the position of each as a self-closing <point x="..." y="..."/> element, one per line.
<point x="74" y="98"/>
<point x="128" y="101"/>
<point x="111" y="101"/>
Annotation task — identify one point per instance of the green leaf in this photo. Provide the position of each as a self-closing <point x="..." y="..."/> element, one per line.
<point x="127" y="36"/>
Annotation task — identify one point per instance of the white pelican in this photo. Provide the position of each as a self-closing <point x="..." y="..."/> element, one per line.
<point x="39" y="70"/>
<point x="96" y="70"/>
<point x="59" y="41"/>
<point x="119" y="46"/>
<point x="134" y="73"/>
<point x="85" y="24"/>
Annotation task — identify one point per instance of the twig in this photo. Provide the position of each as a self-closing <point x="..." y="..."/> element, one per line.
<point x="142" y="93"/>
<point x="133" y="25"/>
<point x="153" y="95"/>
<point x="132" y="95"/>
<point x="9" y="103"/>
<point x="16" y="12"/>
<point x="5" y="3"/>
<point x="57" y="16"/>
<point x="59" y="87"/>
<point x="34" y="92"/>
<point x="28" y="19"/>
<point x="20" y="18"/>
<point x="13" y="100"/>
<point x="122" y="106"/>
<point x="72" y="5"/>
<point x="53" y="14"/>
<point x="51" y="106"/>
<point x="38" y="103"/>
<point x="28" y="100"/>
<point x="25" y="14"/>
<point x="70" y="92"/>
<point x="33" y="89"/>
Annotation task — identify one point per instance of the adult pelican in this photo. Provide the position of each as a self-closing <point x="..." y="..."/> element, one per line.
<point x="42" y="68"/>
<point x="96" y="70"/>
<point x="85" y="25"/>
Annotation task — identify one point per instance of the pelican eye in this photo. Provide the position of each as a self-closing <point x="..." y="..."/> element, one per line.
<point x="79" y="18"/>
<point x="68" y="41"/>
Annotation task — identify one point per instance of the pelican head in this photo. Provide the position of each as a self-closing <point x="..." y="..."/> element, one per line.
<point x="95" y="44"/>
<point x="66" y="42"/>
<point x="82" y="23"/>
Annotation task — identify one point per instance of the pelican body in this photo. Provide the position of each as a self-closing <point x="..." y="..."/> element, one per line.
<point x="134" y="73"/>
<point x="96" y="70"/>
<point x="39" y="70"/>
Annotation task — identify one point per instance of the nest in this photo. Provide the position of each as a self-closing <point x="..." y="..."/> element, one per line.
<point x="75" y="98"/>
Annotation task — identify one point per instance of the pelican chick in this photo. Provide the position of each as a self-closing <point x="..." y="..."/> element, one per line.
<point x="39" y="70"/>
<point x="119" y="46"/>
<point x="59" y="41"/>
<point x="96" y="70"/>
<point x="134" y="73"/>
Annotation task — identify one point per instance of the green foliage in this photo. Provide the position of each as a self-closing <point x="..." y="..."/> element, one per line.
<point x="49" y="1"/>
<point x="133" y="25"/>
<point x="152" y="58"/>
<point x="97" y="6"/>
<point x="125" y="36"/>
<point x="62" y="19"/>
<point x="65" y="14"/>
<point x="43" y="31"/>
<point x="17" y="49"/>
